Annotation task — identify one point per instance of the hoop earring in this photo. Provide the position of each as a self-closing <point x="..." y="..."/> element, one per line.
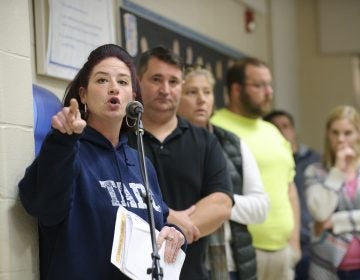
<point x="129" y="124"/>
<point x="84" y="113"/>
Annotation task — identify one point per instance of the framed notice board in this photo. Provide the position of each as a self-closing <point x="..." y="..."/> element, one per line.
<point x="66" y="31"/>
<point x="142" y="29"/>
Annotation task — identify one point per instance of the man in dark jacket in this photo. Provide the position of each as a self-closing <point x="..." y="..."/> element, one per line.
<point x="303" y="156"/>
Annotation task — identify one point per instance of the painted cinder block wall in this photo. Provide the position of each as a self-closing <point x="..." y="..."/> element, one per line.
<point x="18" y="238"/>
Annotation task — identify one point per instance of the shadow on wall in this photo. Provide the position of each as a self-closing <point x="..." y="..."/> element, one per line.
<point x="46" y="104"/>
<point x="23" y="244"/>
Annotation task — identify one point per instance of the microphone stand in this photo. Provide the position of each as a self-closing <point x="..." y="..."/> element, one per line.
<point x="156" y="270"/>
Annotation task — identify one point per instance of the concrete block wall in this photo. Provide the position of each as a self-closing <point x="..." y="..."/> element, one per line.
<point x="18" y="237"/>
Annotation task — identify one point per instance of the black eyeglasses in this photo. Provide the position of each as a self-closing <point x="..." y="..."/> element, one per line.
<point x="259" y="85"/>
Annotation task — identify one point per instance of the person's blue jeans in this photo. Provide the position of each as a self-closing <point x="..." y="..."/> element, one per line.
<point x="349" y="275"/>
<point x="302" y="267"/>
<point x="233" y="276"/>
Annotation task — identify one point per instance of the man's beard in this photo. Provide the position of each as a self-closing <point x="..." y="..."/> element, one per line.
<point x="253" y="109"/>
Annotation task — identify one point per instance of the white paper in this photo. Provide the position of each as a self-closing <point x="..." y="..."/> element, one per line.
<point x="131" y="34"/>
<point x="131" y="251"/>
<point x="76" y="27"/>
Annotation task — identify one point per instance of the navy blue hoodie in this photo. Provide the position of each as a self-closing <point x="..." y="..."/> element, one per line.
<point x="74" y="188"/>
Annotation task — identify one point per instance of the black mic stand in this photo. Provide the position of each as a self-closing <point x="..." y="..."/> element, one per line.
<point x="156" y="270"/>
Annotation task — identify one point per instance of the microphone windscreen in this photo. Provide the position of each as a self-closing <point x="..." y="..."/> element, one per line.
<point x="133" y="108"/>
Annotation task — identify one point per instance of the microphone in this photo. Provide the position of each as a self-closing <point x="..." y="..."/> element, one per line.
<point x="133" y="109"/>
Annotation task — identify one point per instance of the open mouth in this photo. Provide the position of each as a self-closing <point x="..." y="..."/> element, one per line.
<point x="114" y="100"/>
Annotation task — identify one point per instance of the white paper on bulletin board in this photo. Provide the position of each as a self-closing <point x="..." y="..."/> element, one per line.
<point x="75" y="28"/>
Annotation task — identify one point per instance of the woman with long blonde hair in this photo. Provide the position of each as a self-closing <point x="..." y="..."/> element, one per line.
<point x="333" y="198"/>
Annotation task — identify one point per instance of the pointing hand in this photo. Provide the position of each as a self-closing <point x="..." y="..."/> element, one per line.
<point x="69" y="120"/>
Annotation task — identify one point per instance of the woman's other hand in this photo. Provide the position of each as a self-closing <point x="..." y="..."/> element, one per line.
<point x="174" y="239"/>
<point x="320" y="227"/>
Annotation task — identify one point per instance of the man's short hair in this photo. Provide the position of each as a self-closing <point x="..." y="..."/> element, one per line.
<point x="236" y="72"/>
<point x="279" y="113"/>
<point x="161" y="53"/>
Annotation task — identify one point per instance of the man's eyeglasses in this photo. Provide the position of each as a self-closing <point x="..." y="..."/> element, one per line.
<point x="259" y="85"/>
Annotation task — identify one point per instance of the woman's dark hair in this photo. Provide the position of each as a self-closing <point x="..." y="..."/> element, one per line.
<point x="95" y="57"/>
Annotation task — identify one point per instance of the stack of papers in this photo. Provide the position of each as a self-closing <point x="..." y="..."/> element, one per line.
<point x="132" y="249"/>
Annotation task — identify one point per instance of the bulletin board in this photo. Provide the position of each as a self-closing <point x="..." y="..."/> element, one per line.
<point x="142" y="29"/>
<point x="66" y="31"/>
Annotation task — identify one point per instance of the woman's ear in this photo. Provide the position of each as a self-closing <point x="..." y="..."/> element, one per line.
<point x="82" y="94"/>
